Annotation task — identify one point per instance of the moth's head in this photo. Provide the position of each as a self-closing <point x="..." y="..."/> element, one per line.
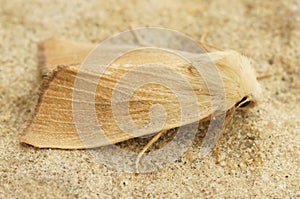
<point x="250" y="88"/>
<point x="239" y="77"/>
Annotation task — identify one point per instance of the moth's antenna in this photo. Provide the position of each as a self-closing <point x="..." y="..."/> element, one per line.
<point x="206" y="46"/>
<point x="137" y="36"/>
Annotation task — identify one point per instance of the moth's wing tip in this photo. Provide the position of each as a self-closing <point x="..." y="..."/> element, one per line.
<point x="24" y="140"/>
<point x="53" y="52"/>
<point x="26" y="136"/>
<point x="44" y="140"/>
<point x="46" y="50"/>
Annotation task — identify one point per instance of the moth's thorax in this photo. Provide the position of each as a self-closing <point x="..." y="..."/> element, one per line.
<point x="239" y="79"/>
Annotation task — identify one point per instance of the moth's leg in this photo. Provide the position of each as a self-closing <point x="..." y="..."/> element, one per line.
<point x="228" y="118"/>
<point x="137" y="36"/>
<point x="206" y="46"/>
<point x="217" y="149"/>
<point x="149" y="144"/>
<point x="264" y="76"/>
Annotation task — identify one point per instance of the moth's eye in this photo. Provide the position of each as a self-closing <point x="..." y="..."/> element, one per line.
<point x="244" y="102"/>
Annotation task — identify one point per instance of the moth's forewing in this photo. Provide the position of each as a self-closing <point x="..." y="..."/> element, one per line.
<point x="125" y="93"/>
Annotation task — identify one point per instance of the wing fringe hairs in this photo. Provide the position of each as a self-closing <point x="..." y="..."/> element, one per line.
<point x="53" y="125"/>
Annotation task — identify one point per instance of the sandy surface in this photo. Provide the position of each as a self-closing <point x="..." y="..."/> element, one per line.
<point x="259" y="152"/>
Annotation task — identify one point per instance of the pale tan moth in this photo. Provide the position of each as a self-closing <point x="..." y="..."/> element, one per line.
<point x="53" y="124"/>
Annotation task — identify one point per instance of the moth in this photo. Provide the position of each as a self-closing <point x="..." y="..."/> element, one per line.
<point x="53" y="124"/>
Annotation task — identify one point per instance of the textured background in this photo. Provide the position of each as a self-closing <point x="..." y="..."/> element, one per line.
<point x="259" y="152"/>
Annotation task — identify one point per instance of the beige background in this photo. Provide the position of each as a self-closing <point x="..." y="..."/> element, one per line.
<point x="259" y="152"/>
